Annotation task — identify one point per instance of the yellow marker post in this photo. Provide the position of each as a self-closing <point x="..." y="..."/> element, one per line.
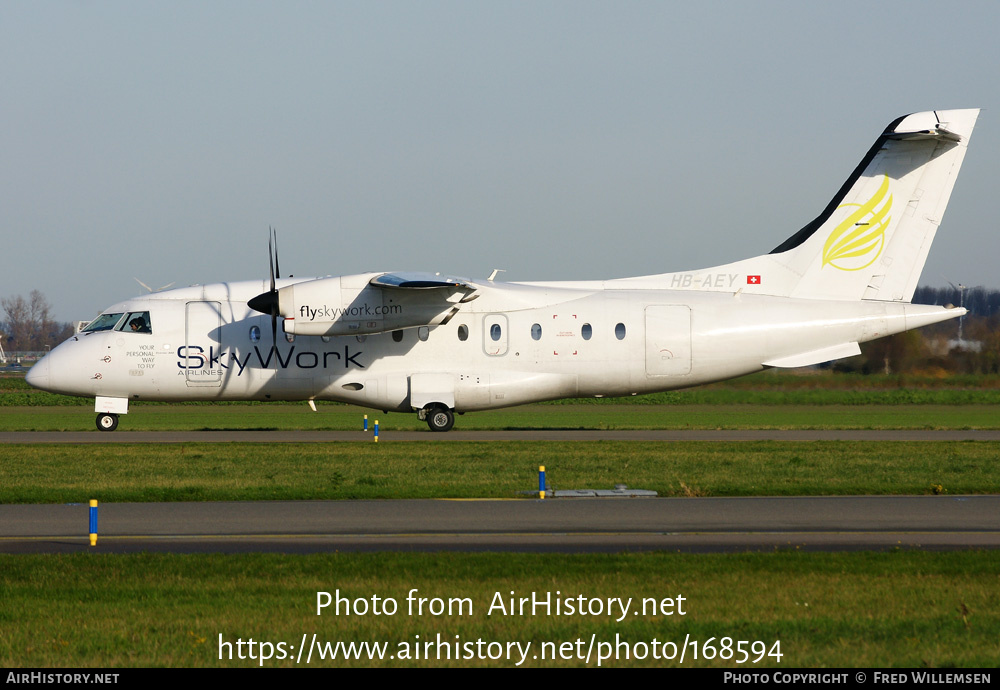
<point x="93" y="522"/>
<point x="376" y="431"/>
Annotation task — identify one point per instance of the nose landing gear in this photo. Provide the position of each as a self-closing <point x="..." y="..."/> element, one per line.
<point x="107" y="421"/>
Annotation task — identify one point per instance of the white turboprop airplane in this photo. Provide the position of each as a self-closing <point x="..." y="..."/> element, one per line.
<point x="439" y="345"/>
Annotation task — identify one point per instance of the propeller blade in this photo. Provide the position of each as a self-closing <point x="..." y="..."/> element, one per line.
<point x="270" y="255"/>
<point x="277" y="271"/>
<point x="267" y="302"/>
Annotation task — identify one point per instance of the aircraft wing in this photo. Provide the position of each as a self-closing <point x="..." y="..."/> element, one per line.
<point x="371" y="303"/>
<point x="412" y="280"/>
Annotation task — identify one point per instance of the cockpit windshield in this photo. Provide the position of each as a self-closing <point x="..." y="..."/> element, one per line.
<point x="104" y="322"/>
<point x="136" y="322"/>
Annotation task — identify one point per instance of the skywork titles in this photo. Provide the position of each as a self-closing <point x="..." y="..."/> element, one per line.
<point x="194" y="357"/>
<point x="326" y="313"/>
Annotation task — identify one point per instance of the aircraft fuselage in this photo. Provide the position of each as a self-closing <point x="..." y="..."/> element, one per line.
<point x="500" y="350"/>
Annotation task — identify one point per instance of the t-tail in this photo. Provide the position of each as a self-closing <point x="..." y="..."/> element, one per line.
<point x="872" y="239"/>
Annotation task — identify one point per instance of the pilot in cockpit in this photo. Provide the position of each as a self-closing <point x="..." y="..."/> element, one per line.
<point x="138" y="325"/>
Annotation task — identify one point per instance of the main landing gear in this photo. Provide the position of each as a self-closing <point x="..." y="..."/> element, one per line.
<point x="439" y="417"/>
<point x="107" y="421"/>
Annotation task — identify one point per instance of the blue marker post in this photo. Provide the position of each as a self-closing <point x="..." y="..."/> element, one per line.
<point x="366" y="423"/>
<point x="376" y="431"/>
<point x="93" y="522"/>
<point x="541" y="481"/>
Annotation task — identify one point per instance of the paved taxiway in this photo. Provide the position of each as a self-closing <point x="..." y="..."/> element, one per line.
<point x="558" y="525"/>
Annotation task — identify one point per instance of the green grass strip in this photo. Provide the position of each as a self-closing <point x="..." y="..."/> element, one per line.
<point x="342" y="417"/>
<point x="904" y="609"/>
<point x="245" y="471"/>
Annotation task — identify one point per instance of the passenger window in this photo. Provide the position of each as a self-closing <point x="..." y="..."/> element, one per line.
<point x="463" y="332"/>
<point x="397" y="336"/>
<point x="536" y="331"/>
<point x="254" y="334"/>
<point x="495" y="332"/>
<point x="620" y="331"/>
<point x="423" y="332"/>
<point x="586" y="331"/>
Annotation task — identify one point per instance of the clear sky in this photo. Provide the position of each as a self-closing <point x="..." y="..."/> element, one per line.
<point x="556" y="140"/>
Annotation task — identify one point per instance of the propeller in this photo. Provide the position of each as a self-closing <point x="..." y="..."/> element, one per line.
<point x="267" y="302"/>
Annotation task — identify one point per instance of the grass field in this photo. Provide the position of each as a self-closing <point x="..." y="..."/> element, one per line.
<point x="245" y="472"/>
<point x="343" y="417"/>
<point x="904" y="609"/>
<point x="770" y="400"/>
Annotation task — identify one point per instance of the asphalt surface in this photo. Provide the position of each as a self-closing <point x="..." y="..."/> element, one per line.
<point x="553" y="525"/>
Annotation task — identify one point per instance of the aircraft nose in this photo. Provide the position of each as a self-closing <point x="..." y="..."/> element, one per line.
<point x="38" y="375"/>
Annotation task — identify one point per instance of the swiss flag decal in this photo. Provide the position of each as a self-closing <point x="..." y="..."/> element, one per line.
<point x="753" y="280"/>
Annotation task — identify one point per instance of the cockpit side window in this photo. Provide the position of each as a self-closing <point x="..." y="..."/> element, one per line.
<point x="136" y="322"/>
<point x="104" y="322"/>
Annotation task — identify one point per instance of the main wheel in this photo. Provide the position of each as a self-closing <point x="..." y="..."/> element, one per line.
<point x="440" y="418"/>
<point x="107" y="421"/>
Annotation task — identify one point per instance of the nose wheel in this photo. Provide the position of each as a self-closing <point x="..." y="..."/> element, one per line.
<point x="107" y="421"/>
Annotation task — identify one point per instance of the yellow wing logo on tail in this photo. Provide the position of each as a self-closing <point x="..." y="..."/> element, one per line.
<point x="860" y="238"/>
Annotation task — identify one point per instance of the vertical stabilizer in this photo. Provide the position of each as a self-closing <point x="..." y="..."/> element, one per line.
<point x="872" y="239"/>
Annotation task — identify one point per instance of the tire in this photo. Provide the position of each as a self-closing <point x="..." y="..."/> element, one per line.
<point x="440" y="418"/>
<point x="107" y="421"/>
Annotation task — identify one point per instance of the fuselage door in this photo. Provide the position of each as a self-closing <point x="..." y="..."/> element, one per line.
<point x="668" y="340"/>
<point x="202" y="344"/>
<point x="495" y="334"/>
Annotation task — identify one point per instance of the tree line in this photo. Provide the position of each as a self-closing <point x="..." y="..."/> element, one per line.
<point x="28" y="325"/>
<point x="978" y="300"/>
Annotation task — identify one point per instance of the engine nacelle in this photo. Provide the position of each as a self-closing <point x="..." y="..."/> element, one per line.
<point x="351" y="305"/>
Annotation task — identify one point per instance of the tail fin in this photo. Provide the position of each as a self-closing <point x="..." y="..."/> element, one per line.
<point x="872" y="239"/>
